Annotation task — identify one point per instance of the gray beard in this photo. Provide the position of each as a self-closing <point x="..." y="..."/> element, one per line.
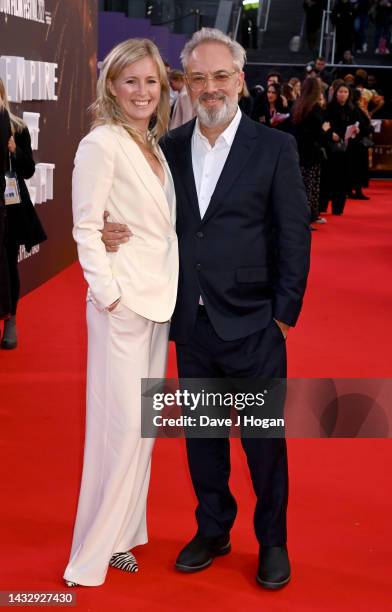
<point x="213" y="117"/>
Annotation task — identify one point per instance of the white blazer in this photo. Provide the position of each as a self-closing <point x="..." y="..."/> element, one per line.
<point x="111" y="173"/>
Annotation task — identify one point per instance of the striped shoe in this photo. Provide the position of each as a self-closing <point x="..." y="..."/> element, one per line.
<point x="125" y="561"/>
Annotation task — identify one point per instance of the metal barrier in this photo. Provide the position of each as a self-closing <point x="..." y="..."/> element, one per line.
<point x="327" y="36"/>
<point x="237" y="23"/>
<point x="263" y="15"/>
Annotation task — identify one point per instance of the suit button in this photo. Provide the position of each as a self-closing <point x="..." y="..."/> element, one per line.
<point x="200" y="235"/>
<point x="198" y="266"/>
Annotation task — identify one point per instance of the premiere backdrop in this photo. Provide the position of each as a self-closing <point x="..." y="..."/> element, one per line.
<point x="48" y="58"/>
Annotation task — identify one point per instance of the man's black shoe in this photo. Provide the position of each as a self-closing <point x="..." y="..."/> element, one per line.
<point x="274" y="567"/>
<point x="200" y="552"/>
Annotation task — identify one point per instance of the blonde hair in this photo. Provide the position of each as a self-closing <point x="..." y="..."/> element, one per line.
<point x="17" y="124"/>
<point x="206" y="35"/>
<point x="106" y="110"/>
<point x="244" y="93"/>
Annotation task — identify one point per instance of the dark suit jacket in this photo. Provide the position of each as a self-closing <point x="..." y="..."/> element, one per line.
<point x="249" y="256"/>
<point x="24" y="226"/>
<point x="5" y="133"/>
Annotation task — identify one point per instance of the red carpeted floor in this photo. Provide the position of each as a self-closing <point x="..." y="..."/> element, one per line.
<point x="340" y="502"/>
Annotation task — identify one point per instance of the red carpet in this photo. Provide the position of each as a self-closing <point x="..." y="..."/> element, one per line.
<point x="340" y="501"/>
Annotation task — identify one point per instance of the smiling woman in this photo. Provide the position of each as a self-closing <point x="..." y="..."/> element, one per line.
<point x="133" y="76"/>
<point x="120" y="169"/>
<point x="137" y="91"/>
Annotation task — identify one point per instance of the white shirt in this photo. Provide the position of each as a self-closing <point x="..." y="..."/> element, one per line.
<point x="208" y="161"/>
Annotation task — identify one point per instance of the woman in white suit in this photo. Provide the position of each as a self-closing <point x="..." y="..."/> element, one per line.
<point x="120" y="168"/>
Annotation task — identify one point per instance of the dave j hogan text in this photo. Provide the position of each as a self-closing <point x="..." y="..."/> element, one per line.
<point x="241" y="420"/>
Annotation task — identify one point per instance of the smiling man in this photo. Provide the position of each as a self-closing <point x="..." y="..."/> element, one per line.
<point x="244" y="243"/>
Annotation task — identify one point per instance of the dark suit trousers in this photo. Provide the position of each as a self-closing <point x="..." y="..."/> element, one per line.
<point x="262" y="354"/>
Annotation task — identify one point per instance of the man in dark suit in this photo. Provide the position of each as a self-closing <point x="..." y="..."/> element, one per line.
<point x="244" y="243"/>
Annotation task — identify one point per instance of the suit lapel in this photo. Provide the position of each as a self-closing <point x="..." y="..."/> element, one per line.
<point x="172" y="208"/>
<point x="240" y="152"/>
<point x="143" y="170"/>
<point x="183" y="166"/>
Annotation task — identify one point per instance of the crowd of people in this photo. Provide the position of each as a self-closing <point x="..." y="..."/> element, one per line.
<point x="351" y="20"/>
<point x="331" y="120"/>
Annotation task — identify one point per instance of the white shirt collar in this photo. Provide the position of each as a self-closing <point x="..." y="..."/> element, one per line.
<point x="227" y="136"/>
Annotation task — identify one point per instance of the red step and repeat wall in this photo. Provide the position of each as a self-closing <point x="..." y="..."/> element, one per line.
<point x="48" y="61"/>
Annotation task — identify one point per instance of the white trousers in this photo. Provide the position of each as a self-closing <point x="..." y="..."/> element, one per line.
<point x="123" y="347"/>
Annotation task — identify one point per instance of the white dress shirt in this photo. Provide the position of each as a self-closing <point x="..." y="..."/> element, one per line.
<point x="208" y="161"/>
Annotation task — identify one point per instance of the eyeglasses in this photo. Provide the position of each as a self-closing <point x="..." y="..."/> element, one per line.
<point x="198" y="82"/>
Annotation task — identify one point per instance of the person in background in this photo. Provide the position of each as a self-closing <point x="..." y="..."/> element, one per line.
<point x="361" y="24"/>
<point x="369" y="101"/>
<point x="360" y="84"/>
<point x="183" y="110"/>
<point x="295" y="87"/>
<point x="5" y="135"/>
<point x="245" y="100"/>
<point x="334" y="85"/>
<point x="323" y="85"/>
<point x="378" y="99"/>
<point x="324" y="190"/>
<point x="275" y="111"/>
<point x="257" y="90"/>
<point x="320" y="68"/>
<point x="173" y="93"/>
<point x="358" y="156"/>
<point x="314" y="13"/>
<point x="23" y="224"/>
<point x="349" y="79"/>
<point x="176" y="80"/>
<point x="323" y="101"/>
<point x="287" y="94"/>
<point x="381" y="12"/>
<point x="311" y="133"/>
<point x="340" y="114"/>
<point x="273" y="78"/>
<point x="348" y="58"/>
<point x="342" y="17"/>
